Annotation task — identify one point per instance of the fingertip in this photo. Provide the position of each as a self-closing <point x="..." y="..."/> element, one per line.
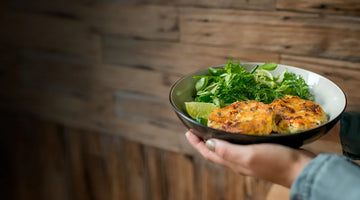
<point x="192" y="138"/>
<point x="189" y="134"/>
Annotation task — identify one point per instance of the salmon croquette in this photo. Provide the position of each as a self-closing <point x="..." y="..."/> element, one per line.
<point x="293" y="114"/>
<point x="248" y="117"/>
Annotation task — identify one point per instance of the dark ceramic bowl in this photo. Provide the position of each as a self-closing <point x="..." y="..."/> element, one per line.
<point x="327" y="94"/>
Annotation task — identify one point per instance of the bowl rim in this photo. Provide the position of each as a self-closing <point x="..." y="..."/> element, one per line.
<point x="255" y="136"/>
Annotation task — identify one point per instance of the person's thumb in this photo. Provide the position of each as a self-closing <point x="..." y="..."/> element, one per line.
<point x="224" y="149"/>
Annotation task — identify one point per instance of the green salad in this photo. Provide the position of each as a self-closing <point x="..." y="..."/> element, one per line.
<point x="234" y="83"/>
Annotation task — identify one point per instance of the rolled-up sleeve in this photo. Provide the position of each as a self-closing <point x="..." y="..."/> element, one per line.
<point x="329" y="177"/>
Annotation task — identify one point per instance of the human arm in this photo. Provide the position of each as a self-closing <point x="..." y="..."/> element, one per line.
<point x="326" y="176"/>
<point x="272" y="162"/>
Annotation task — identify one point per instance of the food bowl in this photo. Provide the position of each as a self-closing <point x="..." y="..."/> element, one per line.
<point x="326" y="93"/>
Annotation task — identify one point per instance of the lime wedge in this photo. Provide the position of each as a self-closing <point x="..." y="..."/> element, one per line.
<point x="265" y="76"/>
<point x="263" y="73"/>
<point x="199" y="109"/>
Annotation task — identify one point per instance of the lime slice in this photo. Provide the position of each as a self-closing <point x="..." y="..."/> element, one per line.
<point x="265" y="76"/>
<point x="199" y="109"/>
<point x="265" y="73"/>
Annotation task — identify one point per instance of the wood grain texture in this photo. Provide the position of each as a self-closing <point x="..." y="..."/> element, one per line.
<point x="115" y="18"/>
<point x="301" y="38"/>
<point x="87" y="79"/>
<point x="46" y="157"/>
<point x="180" y="177"/>
<point x="176" y="58"/>
<point x="233" y="185"/>
<point x="85" y="113"/>
<point x="143" y="108"/>
<point x="283" y="18"/>
<point x="346" y="7"/>
<point x="50" y="34"/>
<point x="114" y="158"/>
<point x="78" y="181"/>
<point x="51" y="153"/>
<point x="96" y="172"/>
<point x="207" y="179"/>
<point x="241" y="4"/>
<point x="135" y="172"/>
<point x="156" y="176"/>
<point x="150" y="21"/>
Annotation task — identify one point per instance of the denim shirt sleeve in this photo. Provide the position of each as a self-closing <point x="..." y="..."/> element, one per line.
<point x="328" y="176"/>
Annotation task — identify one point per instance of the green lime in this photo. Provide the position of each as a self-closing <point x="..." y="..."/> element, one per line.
<point x="265" y="76"/>
<point x="199" y="109"/>
<point x="264" y="73"/>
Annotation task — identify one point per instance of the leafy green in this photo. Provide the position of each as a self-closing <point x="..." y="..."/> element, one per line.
<point x="268" y="66"/>
<point x="233" y="82"/>
<point x="201" y="121"/>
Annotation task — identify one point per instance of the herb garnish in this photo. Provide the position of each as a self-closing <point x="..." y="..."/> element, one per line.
<point x="233" y="83"/>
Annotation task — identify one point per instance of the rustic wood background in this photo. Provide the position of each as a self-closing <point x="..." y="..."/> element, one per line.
<point x="84" y="97"/>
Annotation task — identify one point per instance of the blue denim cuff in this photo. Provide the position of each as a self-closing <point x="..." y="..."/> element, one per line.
<point x="328" y="176"/>
<point x="301" y="187"/>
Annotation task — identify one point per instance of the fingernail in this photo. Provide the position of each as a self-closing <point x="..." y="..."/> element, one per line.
<point x="210" y="144"/>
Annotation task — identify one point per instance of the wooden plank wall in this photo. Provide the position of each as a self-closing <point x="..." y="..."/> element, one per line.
<point x="85" y="87"/>
<point x="46" y="160"/>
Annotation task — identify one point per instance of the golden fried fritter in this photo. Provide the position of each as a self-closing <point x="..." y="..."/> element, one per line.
<point x="249" y="117"/>
<point x="293" y="114"/>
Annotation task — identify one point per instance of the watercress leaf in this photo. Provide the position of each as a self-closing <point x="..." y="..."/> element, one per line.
<point x="198" y="77"/>
<point x="237" y="68"/>
<point x="214" y="89"/>
<point x="218" y="103"/>
<point x="216" y="71"/>
<point x="268" y="66"/>
<point x="205" y="97"/>
<point x="228" y="67"/>
<point x="228" y="79"/>
<point x="201" y="83"/>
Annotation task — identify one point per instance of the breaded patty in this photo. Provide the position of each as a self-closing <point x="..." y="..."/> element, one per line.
<point x="293" y="114"/>
<point x="249" y="117"/>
